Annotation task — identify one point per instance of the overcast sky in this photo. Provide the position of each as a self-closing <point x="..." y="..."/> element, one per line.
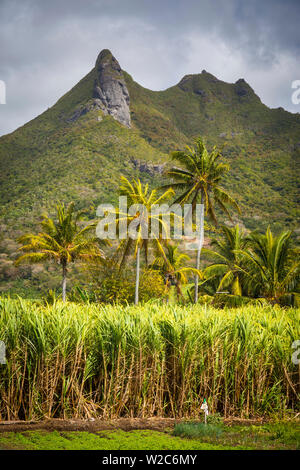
<point x="47" y="46"/>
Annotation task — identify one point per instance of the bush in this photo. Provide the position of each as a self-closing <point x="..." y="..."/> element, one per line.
<point x="116" y="286"/>
<point x="50" y="297"/>
<point x="193" y="430"/>
<point x="228" y="300"/>
<point x="215" y="419"/>
<point x="151" y="286"/>
<point x="81" y="295"/>
<point x="205" y="299"/>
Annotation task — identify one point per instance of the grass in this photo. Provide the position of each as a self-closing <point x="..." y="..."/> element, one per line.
<point x="198" y="430"/>
<point x="274" y="435"/>
<point x="72" y="360"/>
<point x="108" y="440"/>
<point x="284" y="435"/>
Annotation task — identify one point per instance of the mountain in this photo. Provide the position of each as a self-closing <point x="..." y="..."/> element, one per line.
<point x="109" y="125"/>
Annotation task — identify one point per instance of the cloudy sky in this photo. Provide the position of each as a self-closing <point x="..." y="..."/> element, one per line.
<point x="47" y="46"/>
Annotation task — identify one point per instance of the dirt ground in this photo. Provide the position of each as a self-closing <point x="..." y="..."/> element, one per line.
<point x="94" y="425"/>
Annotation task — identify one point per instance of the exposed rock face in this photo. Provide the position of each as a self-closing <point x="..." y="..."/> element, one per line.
<point x="110" y="90"/>
<point x="149" y="168"/>
<point x="243" y="90"/>
<point x="90" y="106"/>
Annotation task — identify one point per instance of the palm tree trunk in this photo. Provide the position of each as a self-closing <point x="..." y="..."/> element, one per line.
<point x="201" y="229"/>
<point x="137" y="276"/>
<point x="64" y="281"/>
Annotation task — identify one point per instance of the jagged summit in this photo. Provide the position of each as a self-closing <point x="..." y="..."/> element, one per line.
<point x="210" y="88"/>
<point x="106" y="61"/>
<point x="242" y="88"/>
<point x="105" y="54"/>
<point x="110" y="89"/>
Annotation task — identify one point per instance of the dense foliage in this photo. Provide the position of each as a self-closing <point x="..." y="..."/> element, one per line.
<point x="70" y="360"/>
<point x="61" y="240"/>
<point x="53" y="158"/>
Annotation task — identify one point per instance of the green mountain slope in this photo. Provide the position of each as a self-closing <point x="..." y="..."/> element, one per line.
<point x="262" y="145"/>
<point x="77" y="149"/>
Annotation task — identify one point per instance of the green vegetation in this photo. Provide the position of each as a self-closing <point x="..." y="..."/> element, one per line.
<point x="274" y="435"/>
<point x="54" y="158"/>
<point x="172" y="267"/>
<point x="94" y="355"/>
<point x="111" y="285"/>
<point x="108" y="440"/>
<point x="257" y="265"/>
<point x="272" y="265"/>
<point x="252" y="267"/>
<point x="227" y="266"/>
<point x="184" y="436"/>
<point x="199" y="181"/>
<point x="194" y="430"/>
<point x="62" y="240"/>
<point x="74" y="360"/>
<point x="143" y="200"/>
<point x="262" y="145"/>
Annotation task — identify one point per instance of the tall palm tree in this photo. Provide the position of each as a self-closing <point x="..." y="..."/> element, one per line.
<point x="61" y="240"/>
<point x="138" y="194"/>
<point x="272" y="265"/>
<point x="199" y="182"/>
<point x="227" y="266"/>
<point x="172" y="266"/>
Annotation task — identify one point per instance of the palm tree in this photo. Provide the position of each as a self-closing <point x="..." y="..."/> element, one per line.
<point x="61" y="240"/>
<point x="199" y="181"/>
<point x="138" y="194"/>
<point x="172" y="268"/>
<point x="272" y="265"/>
<point x="227" y="267"/>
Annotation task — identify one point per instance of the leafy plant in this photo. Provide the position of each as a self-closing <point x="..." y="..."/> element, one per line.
<point x="74" y="360"/>
<point x="227" y="267"/>
<point x="198" y="180"/>
<point x="140" y="197"/>
<point x="194" y="430"/>
<point x="61" y="240"/>
<point x="173" y="269"/>
<point x="273" y="265"/>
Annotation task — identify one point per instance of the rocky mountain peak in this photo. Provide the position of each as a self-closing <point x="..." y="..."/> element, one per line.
<point x="105" y="54"/>
<point x="242" y="88"/>
<point x="110" y="90"/>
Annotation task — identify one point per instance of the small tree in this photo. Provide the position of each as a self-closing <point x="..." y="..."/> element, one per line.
<point x="140" y="195"/>
<point x="172" y="266"/>
<point x="199" y="182"/>
<point x="227" y="266"/>
<point x="272" y="265"/>
<point x="61" y="240"/>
